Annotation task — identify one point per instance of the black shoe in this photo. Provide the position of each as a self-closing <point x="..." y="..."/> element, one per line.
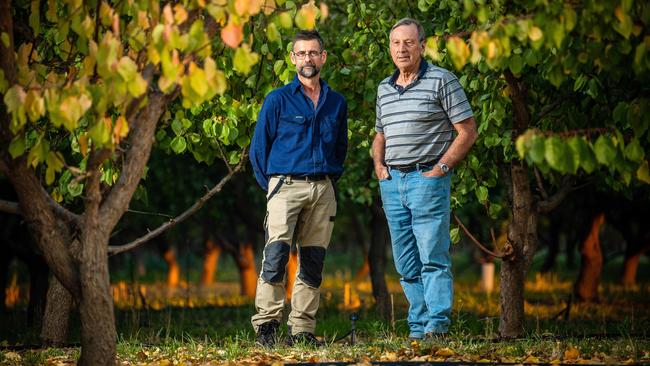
<point x="266" y="333"/>
<point x="304" y="338"/>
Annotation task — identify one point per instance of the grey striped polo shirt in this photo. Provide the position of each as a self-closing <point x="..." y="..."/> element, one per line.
<point x="417" y="119"/>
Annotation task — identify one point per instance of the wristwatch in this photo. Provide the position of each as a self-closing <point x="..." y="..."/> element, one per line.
<point x="444" y="168"/>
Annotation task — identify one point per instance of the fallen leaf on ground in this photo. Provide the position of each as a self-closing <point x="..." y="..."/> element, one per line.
<point x="445" y="352"/>
<point x="571" y="354"/>
<point x="531" y="359"/>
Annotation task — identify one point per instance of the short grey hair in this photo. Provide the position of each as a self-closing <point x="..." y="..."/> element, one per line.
<point x="409" y="21"/>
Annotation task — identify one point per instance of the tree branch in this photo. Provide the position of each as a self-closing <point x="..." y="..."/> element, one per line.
<point x="116" y="249"/>
<point x="141" y="139"/>
<point x="10" y="207"/>
<point x="550" y="203"/>
<point x="478" y="244"/>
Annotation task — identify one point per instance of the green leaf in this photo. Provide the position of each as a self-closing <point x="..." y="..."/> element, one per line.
<point x="455" y="235"/>
<point x="178" y="144"/>
<point x="605" y="150"/>
<point x="4" y="36"/>
<point x="620" y="112"/>
<point x="17" y="146"/>
<point x="272" y="33"/>
<point x="482" y="194"/>
<point x="177" y="127"/>
<point x="634" y="151"/>
<point x="643" y="173"/>
<point x="14" y="100"/>
<point x="537" y="148"/>
<point x="35" y="17"/>
<point x="75" y="189"/>
<point x="553" y="153"/>
<point x="516" y="64"/>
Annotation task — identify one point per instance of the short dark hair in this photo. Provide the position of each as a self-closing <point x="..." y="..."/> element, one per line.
<point x="308" y="35"/>
<point x="409" y="21"/>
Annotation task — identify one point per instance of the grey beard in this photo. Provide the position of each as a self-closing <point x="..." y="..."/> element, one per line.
<point x="308" y="73"/>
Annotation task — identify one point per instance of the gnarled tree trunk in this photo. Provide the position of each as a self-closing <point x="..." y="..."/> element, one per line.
<point x="377" y="259"/>
<point x="292" y="269"/>
<point x="586" y="288"/>
<point x="57" y="315"/>
<point x="246" y="264"/>
<point x="210" y="261"/>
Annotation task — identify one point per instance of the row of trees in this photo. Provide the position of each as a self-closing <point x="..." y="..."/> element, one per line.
<point x="89" y="88"/>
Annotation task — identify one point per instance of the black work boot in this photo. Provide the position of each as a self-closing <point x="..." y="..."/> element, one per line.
<point x="304" y="338"/>
<point x="266" y="333"/>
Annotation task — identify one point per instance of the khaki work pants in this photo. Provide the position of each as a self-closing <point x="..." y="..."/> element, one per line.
<point x="303" y="211"/>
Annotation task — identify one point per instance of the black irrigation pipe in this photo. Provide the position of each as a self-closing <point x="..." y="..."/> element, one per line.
<point x="442" y="363"/>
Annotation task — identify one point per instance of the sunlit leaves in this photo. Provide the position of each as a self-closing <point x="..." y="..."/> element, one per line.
<point x="244" y="59"/>
<point x="306" y="16"/>
<point x="232" y="34"/>
<point x="14" y="99"/>
<point x="459" y="51"/>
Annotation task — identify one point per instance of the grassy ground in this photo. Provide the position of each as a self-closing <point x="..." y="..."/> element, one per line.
<point x="195" y="325"/>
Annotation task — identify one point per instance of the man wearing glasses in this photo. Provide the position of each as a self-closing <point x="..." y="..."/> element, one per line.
<point x="297" y="153"/>
<point x="425" y="127"/>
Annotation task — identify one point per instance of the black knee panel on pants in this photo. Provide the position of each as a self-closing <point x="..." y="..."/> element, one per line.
<point x="276" y="256"/>
<point x="311" y="265"/>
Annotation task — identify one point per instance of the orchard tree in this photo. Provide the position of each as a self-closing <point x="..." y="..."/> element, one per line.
<point x="86" y="87"/>
<point x="559" y="90"/>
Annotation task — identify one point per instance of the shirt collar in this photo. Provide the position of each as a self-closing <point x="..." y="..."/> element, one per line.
<point x="296" y="85"/>
<point x="424" y="65"/>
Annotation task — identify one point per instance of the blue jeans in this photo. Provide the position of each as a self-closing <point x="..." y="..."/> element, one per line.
<point x="417" y="210"/>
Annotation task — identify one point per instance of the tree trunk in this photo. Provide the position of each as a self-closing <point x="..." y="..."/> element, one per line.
<point x="377" y="259"/>
<point x="210" y="261"/>
<point x="520" y="246"/>
<point x="631" y="263"/>
<point x="247" y="274"/>
<point x="364" y="270"/>
<point x="98" y="334"/>
<point x="586" y="288"/>
<point x="57" y="315"/>
<point x="38" y="288"/>
<point x="292" y="269"/>
<point x="173" y="269"/>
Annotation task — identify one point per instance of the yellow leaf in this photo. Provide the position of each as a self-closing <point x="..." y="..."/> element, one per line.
<point x="643" y="173"/>
<point x="389" y="356"/>
<point x="14" y="100"/>
<point x="458" y="50"/>
<point x="180" y="14"/>
<point x="272" y="33"/>
<point x="285" y="20"/>
<point x="535" y="34"/>
<point x="269" y="6"/>
<point x="143" y="20"/>
<point x="324" y="11"/>
<point x="168" y="15"/>
<point x="244" y="59"/>
<point x="197" y="79"/>
<point x="215" y="78"/>
<point x="120" y="130"/>
<point x="306" y="16"/>
<point x="571" y="354"/>
<point x="137" y="86"/>
<point x="232" y="34"/>
<point x="431" y="48"/>
<point x="531" y="359"/>
<point x="54" y="163"/>
<point x="445" y="352"/>
<point x="34" y="105"/>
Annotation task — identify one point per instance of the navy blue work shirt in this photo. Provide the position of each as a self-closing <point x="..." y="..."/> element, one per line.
<point x="292" y="137"/>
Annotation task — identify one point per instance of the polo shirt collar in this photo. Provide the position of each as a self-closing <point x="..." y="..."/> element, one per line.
<point x="424" y="65"/>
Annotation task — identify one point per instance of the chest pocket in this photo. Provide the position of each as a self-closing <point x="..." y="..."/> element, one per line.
<point x="293" y="120"/>
<point x="328" y="129"/>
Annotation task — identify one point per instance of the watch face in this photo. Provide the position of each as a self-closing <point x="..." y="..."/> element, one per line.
<point x="444" y="168"/>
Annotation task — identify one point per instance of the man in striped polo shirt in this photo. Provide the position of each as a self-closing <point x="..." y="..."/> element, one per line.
<point x="425" y="126"/>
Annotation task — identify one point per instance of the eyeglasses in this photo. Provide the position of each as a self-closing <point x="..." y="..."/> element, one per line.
<point x="302" y="54"/>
